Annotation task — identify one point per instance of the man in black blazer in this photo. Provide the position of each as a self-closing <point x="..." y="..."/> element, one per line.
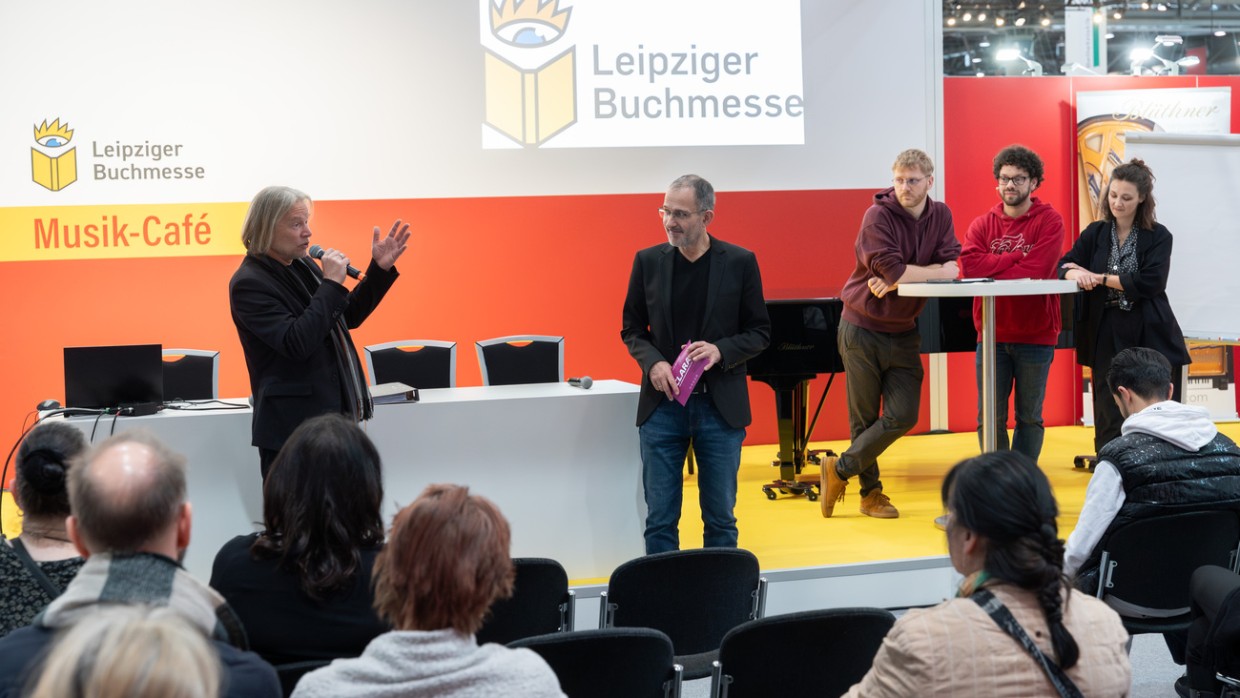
<point x="701" y="292"/>
<point x="294" y="318"/>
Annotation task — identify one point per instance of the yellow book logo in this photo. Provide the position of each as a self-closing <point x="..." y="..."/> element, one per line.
<point x="529" y="103"/>
<point x="53" y="162"/>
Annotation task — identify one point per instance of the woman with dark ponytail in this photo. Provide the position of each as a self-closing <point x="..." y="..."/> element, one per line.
<point x="1014" y="628"/>
<point x="37" y="565"/>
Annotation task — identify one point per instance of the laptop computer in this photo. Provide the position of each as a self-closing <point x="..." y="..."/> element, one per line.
<point x="114" y="376"/>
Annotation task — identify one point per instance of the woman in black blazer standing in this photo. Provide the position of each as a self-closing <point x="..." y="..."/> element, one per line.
<point x="1121" y="262"/>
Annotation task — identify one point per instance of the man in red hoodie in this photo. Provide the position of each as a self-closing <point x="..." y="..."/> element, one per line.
<point x="1020" y="238"/>
<point x="905" y="237"/>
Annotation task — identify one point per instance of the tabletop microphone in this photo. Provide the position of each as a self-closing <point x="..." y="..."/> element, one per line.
<point x="583" y="382"/>
<point x="317" y="253"/>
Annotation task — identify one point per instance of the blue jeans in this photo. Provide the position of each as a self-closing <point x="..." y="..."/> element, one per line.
<point x="717" y="449"/>
<point x="883" y="373"/>
<point x="1024" y="366"/>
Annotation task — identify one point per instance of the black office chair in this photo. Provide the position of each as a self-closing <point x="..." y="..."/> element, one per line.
<point x="695" y="596"/>
<point x="610" y="663"/>
<point x="798" y="655"/>
<point x="541" y="603"/>
<point x="521" y="359"/>
<point x="418" y="363"/>
<point x="292" y="672"/>
<point x="191" y="374"/>
<point x="1148" y="563"/>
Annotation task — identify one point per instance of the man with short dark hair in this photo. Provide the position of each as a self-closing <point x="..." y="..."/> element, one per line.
<point x="1020" y="238"/>
<point x="905" y="237"/>
<point x="699" y="292"/>
<point x="1170" y="458"/>
<point x="131" y="522"/>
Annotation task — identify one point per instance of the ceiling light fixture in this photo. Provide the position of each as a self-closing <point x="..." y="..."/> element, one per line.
<point x="1032" y="67"/>
<point x="1020" y="21"/>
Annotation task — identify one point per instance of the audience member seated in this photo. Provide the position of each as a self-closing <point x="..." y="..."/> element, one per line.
<point x="445" y="562"/>
<point x="130" y="652"/>
<point x="1001" y="535"/>
<point x="37" y="566"/>
<point x="132" y="523"/>
<point x="1170" y="458"/>
<point x="302" y="586"/>
<point x="1215" y="626"/>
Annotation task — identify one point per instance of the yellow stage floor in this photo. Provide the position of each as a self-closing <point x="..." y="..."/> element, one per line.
<point x="791" y="533"/>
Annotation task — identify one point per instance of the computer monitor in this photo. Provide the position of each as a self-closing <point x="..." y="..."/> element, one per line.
<point x="99" y="377"/>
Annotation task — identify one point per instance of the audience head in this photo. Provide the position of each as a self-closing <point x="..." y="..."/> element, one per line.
<point x="1138" y="174"/>
<point x="130" y="652"/>
<point x="43" y="463"/>
<point x="1141" y="373"/>
<point x="445" y="562"/>
<point x="1001" y="519"/>
<point x="268" y="207"/>
<point x="128" y="495"/>
<point x="321" y="504"/>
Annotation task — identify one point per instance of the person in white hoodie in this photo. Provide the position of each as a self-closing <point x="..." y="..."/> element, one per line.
<point x="1170" y="457"/>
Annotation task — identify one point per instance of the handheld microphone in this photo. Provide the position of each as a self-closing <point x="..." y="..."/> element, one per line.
<point x="317" y="253"/>
<point x="584" y="382"/>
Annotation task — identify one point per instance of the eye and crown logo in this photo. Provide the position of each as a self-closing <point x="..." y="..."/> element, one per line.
<point x="53" y="162"/>
<point x="528" y="97"/>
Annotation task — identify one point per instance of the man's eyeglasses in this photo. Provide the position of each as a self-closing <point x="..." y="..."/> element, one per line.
<point x="1019" y="180"/>
<point x="911" y="181"/>
<point x="676" y="213"/>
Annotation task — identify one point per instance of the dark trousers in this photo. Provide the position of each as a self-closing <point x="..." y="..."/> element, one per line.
<point x="1107" y="419"/>
<point x="265" y="458"/>
<point x="1210" y="587"/>
<point x="883" y="373"/>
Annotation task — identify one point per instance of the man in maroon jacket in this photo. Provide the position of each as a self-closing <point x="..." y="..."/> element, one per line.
<point x="1020" y="238"/>
<point x="904" y="237"/>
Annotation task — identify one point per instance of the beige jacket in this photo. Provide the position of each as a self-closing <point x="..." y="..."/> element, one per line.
<point x="955" y="649"/>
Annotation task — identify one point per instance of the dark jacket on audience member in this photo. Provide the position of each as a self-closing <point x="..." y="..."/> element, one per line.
<point x="1161" y="478"/>
<point x="283" y="623"/>
<point x="142" y="578"/>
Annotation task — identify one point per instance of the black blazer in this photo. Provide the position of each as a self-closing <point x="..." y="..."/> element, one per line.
<point x="1157" y="329"/>
<point x="287" y="340"/>
<point x="736" y="321"/>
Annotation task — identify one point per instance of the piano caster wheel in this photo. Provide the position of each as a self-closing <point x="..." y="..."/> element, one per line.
<point x="1085" y="462"/>
<point x="770" y="494"/>
<point x="811" y="496"/>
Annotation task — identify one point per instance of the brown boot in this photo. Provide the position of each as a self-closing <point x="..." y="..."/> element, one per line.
<point x="831" y="486"/>
<point x="877" y="504"/>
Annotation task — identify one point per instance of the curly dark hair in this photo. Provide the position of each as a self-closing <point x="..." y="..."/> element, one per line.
<point x="1022" y="157"/>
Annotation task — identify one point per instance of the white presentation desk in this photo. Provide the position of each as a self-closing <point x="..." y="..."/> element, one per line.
<point x="562" y="463"/>
<point x="988" y="291"/>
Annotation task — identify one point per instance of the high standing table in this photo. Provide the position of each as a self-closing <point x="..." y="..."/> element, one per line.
<point x="988" y="291"/>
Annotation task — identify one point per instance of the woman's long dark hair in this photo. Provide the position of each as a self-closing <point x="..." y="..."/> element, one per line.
<point x="321" y="504"/>
<point x="1003" y="497"/>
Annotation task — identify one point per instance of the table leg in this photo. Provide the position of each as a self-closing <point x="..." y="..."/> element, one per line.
<point x="989" y="428"/>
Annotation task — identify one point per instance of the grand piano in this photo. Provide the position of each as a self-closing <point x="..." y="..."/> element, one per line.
<point x="803" y="345"/>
